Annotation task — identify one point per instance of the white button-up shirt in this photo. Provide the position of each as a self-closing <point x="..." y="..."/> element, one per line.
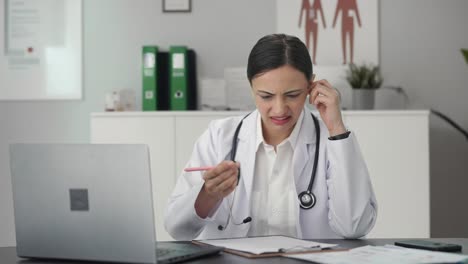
<point x="274" y="197"/>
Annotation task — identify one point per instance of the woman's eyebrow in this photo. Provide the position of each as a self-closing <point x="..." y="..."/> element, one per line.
<point x="286" y="93"/>
<point x="261" y="91"/>
<point x="294" y="91"/>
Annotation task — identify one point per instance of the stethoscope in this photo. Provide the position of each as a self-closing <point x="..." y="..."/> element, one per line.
<point x="306" y="198"/>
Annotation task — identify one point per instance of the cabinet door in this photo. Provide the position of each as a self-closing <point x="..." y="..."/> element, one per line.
<point x="158" y="134"/>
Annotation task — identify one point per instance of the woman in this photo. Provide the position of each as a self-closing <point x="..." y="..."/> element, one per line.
<point x="271" y="188"/>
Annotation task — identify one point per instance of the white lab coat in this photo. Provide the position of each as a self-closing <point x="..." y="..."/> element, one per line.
<point x="346" y="206"/>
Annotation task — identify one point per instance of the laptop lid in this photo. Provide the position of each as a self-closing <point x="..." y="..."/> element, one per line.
<point x="83" y="202"/>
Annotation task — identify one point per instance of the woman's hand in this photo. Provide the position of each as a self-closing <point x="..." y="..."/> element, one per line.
<point x="219" y="183"/>
<point x="221" y="180"/>
<point x="327" y="101"/>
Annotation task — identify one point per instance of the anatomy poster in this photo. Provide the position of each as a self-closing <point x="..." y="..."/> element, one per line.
<point x="336" y="32"/>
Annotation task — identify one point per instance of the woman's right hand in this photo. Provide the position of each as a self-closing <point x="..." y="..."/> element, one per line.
<point x="219" y="183"/>
<point x="221" y="180"/>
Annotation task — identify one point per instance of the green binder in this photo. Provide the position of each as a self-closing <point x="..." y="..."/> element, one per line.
<point x="178" y="78"/>
<point x="150" y="78"/>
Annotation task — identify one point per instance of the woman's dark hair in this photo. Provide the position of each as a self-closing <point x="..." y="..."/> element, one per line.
<point x="276" y="50"/>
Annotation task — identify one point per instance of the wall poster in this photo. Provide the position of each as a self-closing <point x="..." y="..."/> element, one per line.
<point x="337" y="32"/>
<point x="41" y="49"/>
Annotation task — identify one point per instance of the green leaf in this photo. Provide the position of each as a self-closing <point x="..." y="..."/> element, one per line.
<point x="364" y="76"/>
<point x="465" y="53"/>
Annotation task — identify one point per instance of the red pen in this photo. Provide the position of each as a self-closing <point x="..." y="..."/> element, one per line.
<point x="198" y="168"/>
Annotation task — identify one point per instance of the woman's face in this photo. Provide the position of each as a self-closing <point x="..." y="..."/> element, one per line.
<point x="280" y="95"/>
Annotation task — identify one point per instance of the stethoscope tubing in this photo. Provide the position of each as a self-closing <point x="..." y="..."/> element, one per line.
<point x="314" y="168"/>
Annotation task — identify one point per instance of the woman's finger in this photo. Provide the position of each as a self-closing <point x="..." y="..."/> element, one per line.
<point x="222" y="177"/>
<point x="322" y="100"/>
<point x="324" y="90"/>
<point x="219" y="169"/>
<point x="317" y="92"/>
<point x="325" y="83"/>
<point x="230" y="189"/>
<point x="226" y="185"/>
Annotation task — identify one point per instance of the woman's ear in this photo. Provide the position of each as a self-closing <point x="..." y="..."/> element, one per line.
<point x="310" y="85"/>
<point x="311" y="82"/>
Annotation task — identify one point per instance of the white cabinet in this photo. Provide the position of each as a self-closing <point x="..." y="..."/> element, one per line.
<point x="395" y="145"/>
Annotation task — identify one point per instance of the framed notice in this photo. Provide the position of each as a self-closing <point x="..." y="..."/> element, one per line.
<point x="41" y="49"/>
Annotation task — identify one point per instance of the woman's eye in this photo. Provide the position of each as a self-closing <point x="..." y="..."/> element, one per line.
<point x="265" y="97"/>
<point x="292" y="95"/>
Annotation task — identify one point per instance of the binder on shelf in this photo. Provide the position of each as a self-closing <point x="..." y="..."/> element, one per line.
<point x="150" y="77"/>
<point x="192" y="80"/>
<point x="155" y="79"/>
<point x="182" y="79"/>
<point x="162" y="93"/>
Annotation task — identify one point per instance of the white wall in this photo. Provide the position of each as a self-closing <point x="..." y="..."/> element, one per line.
<point x="420" y="50"/>
<point x="221" y="32"/>
<point x="420" y="42"/>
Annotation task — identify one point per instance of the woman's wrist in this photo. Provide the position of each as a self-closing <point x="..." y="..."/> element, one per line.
<point x="340" y="129"/>
<point x="205" y="203"/>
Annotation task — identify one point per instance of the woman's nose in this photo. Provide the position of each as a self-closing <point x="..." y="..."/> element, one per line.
<point x="279" y="107"/>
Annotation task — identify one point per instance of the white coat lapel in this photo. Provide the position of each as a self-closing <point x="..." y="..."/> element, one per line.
<point x="305" y="144"/>
<point x="303" y="156"/>
<point x="246" y="151"/>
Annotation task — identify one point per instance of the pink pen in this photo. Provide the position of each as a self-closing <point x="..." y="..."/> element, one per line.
<point x="198" y="168"/>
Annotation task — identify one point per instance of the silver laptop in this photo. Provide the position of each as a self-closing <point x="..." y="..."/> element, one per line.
<point x="88" y="202"/>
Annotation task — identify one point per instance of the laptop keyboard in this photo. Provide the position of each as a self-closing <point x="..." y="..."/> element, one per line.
<point x="161" y="252"/>
<point x="173" y="252"/>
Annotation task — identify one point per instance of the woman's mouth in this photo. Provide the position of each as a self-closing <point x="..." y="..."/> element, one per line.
<point x="280" y="120"/>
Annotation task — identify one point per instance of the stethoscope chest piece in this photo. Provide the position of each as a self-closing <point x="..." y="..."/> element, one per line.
<point x="307" y="199"/>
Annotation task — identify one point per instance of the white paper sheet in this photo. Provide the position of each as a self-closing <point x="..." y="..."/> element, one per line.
<point x="259" y="245"/>
<point x="213" y="94"/>
<point x="383" y="255"/>
<point x="238" y="91"/>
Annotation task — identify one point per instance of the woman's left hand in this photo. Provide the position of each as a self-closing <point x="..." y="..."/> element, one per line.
<point x="327" y="101"/>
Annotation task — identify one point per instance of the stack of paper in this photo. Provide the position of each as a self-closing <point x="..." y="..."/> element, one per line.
<point x="382" y="254"/>
<point x="238" y="91"/>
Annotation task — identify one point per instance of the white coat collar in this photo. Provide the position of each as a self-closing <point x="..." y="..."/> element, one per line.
<point x="292" y="138"/>
<point x="247" y="148"/>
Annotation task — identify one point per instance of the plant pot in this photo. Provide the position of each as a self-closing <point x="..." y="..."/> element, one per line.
<point x="363" y="99"/>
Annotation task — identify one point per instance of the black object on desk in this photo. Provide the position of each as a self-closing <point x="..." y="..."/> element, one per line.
<point x="429" y="245"/>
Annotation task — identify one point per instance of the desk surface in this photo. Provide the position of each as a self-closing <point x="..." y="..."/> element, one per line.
<point x="8" y="254"/>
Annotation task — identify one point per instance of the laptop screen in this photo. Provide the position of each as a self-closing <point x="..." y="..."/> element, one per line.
<point x="83" y="201"/>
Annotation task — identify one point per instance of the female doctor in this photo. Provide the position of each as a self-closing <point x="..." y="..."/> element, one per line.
<point x="278" y="170"/>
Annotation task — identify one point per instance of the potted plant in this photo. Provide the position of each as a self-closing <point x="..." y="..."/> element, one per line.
<point x="364" y="80"/>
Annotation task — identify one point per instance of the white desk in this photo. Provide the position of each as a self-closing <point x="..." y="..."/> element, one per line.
<point x="395" y="145"/>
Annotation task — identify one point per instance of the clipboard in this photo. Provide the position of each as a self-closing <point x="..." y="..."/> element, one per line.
<point x="276" y="254"/>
